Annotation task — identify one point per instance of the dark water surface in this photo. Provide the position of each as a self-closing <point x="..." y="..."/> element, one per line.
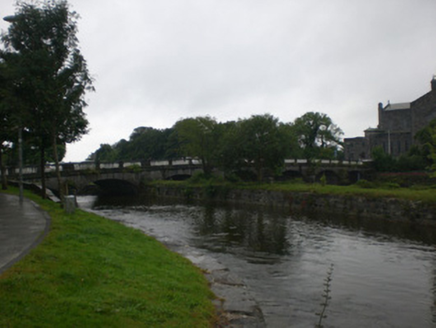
<point x="383" y="276"/>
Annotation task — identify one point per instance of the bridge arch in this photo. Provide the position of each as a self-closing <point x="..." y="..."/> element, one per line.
<point x="354" y="176"/>
<point x="116" y="187"/>
<point x="331" y="176"/>
<point x="178" y="177"/>
<point x="291" y="174"/>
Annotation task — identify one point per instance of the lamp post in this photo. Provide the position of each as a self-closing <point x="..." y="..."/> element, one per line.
<point x="11" y="19"/>
<point x="20" y="163"/>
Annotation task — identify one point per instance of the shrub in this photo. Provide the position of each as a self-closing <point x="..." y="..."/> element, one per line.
<point x="198" y="177"/>
<point x="134" y="168"/>
<point x="390" y="185"/>
<point x="365" y="184"/>
<point x="323" y="180"/>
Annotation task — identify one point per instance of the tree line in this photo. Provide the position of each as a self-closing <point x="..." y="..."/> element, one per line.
<point x="260" y="142"/>
<point x="43" y="80"/>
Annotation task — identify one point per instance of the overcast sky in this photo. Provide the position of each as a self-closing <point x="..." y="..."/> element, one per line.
<point x="155" y="62"/>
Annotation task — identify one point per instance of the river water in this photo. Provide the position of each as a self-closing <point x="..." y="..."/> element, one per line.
<point x="381" y="276"/>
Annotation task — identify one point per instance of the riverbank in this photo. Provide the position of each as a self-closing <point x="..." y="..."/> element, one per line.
<point x="89" y="271"/>
<point x="417" y="206"/>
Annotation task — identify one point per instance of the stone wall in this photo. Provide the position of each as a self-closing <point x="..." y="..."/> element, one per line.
<point x="355" y="148"/>
<point x="389" y="209"/>
<point x="396" y="120"/>
<point x="424" y="110"/>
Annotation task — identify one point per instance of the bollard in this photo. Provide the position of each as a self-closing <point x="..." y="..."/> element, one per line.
<point x="70" y="204"/>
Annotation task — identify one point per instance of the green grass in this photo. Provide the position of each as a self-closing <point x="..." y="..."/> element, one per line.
<point x="93" y="272"/>
<point x="418" y="193"/>
<point x="424" y="194"/>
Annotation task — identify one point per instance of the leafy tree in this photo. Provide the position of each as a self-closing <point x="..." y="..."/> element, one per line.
<point x="260" y="143"/>
<point x="198" y="138"/>
<point x="427" y="144"/>
<point x="381" y="161"/>
<point x="317" y="135"/>
<point x="412" y="162"/>
<point x="427" y="139"/>
<point x="147" y="143"/>
<point x="51" y="74"/>
<point x="106" y="153"/>
<point x="6" y="127"/>
<point x="432" y="156"/>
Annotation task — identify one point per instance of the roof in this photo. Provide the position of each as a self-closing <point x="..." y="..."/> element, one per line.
<point x="372" y="130"/>
<point x="397" y="106"/>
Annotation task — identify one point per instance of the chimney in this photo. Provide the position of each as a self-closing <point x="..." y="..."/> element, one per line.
<point x="380" y="105"/>
<point x="433" y="83"/>
<point x="380" y="114"/>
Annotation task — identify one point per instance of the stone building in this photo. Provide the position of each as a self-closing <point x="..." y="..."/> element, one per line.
<point x="397" y="127"/>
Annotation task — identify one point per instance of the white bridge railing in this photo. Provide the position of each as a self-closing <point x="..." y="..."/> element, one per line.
<point x="92" y="166"/>
<point x="322" y="161"/>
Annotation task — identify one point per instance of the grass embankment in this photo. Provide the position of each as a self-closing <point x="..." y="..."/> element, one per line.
<point x="366" y="189"/>
<point x="93" y="272"/>
<point x="425" y="194"/>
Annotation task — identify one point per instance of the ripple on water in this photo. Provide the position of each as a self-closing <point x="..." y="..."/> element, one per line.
<point x="380" y="279"/>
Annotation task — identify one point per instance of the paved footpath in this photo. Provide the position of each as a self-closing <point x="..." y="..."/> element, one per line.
<point x="22" y="227"/>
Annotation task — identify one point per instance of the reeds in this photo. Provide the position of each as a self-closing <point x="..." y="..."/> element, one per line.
<point x="325" y="297"/>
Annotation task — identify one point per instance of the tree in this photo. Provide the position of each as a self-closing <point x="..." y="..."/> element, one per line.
<point x="381" y="161"/>
<point x="260" y="143"/>
<point x="145" y="143"/>
<point x="317" y="135"/>
<point x="198" y="138"/>
<point x="51" y="74"/>
<point x="12" y="114"/>
<point x="5" y="122"/>
<point x="432" y="155"/>
<point x="105" y="153"/>
<point x="427" y="140"/>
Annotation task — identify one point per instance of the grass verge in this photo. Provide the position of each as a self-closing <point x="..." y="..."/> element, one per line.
<point x="93" y="272"/>
<point x="425" y="194"/>
<point x="416" y="193"/>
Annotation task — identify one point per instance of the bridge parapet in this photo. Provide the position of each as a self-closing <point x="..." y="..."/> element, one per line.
<point x="326" y="162"/>
<point x="161" y="164"/>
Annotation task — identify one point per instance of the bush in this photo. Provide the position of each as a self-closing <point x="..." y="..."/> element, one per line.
<point x="390" y="185"/>
<point x="198" y="177"/>
<point x="365" y="184"/>
<point x="134" y="168"/>
<point x="233" y="178"/>
<point x="323" y="180"/>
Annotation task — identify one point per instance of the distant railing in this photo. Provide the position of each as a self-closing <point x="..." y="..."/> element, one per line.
<point x="322" y="161"/>
<point x="93" y="166"/>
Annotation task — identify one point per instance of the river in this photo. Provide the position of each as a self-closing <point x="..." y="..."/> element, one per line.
<point x="382" y="275"/>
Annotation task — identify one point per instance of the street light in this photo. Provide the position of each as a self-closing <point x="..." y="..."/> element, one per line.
<point x="11" y="19"/>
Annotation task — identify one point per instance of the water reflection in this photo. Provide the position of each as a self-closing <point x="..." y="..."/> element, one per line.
<point x="250" y="229"/>
<point x="384" y="273"/>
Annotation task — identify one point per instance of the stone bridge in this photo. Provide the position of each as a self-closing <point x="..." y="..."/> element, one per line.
<point x="126" y="177"/>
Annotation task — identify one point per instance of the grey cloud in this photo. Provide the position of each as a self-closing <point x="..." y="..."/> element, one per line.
<point x="157" y="61"/>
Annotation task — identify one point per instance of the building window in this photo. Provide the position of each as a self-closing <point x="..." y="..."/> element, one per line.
<point x="406" y="145"/>
<point x="399" y="147"/>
